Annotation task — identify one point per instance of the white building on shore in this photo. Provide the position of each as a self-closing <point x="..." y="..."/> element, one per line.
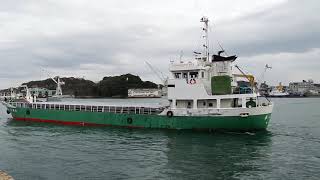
<point x="42" y="92"/>
<point x="144" y="93"/>
<point x="304" y="87"/>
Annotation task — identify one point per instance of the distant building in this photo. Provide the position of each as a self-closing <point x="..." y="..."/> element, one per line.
<point x="42" y="92"/>
<point x="144" y="93"/>
<point x="8" y="93"/>
<point x="304" y="87"/>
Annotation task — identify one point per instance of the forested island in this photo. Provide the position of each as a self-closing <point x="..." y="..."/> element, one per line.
<point x="109" y="86"/>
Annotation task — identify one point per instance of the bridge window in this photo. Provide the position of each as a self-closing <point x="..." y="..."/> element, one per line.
<point x="194" y="74"/>
<point x="185" y="75"/>
<point x="177" y="75"/>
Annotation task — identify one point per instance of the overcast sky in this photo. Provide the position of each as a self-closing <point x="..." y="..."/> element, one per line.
<point x="94" y="38"/>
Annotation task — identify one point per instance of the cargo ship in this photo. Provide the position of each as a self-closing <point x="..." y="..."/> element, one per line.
<point x="203" y="94"/>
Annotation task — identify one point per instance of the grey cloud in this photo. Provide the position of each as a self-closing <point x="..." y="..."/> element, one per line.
<point x="69" y="53"/>
<point x="106" y="44"/>
<point x="290" y="27"/>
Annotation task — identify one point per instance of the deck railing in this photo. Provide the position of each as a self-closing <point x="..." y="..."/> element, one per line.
<point x="89" y="108"/>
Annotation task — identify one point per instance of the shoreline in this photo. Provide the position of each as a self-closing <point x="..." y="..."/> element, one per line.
<point x="5" y="176"/>
<point x="293" y="97"/>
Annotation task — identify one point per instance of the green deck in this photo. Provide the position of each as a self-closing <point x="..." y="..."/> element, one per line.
<point x="141" y="120"/>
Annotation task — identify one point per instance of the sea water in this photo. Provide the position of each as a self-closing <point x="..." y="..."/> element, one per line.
<point x="289" y="149"/>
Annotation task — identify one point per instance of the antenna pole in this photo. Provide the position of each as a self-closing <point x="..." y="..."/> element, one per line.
<point x="205" y="20"/>
<point x="181" y="54"/>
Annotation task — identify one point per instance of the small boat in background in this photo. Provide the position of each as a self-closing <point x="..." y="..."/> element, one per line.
<point x="278" y="91"/>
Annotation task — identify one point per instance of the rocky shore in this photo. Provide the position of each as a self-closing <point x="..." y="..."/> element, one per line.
<point x="5" y="176"/>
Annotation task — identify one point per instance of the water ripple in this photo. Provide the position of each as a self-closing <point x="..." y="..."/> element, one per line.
<point x="288" y="150"/>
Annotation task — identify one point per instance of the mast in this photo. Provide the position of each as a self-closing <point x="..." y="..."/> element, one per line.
<point x="205" y="20"/>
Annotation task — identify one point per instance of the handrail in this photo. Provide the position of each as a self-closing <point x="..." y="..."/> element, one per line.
<point x="90" y="108"/>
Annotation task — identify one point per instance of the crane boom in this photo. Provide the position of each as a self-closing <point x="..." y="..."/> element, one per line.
<point x="249" y="77"/>
<point x="53" y="79"/>
<point x="157" y="72"/>
<point x="58" y="82"/>
<point x="45" y="71"/>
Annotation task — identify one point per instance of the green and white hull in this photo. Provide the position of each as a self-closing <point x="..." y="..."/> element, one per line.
<point x="230" y="119"/>
<point x="203" y="93"/>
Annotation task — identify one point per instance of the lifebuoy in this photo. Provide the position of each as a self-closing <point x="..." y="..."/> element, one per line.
<point x="169" y="114"/>
<point x="192" y="81"/>
<point x="129" y="120"/>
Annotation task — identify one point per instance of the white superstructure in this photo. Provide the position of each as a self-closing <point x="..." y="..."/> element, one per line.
<point x="208" y="82"/>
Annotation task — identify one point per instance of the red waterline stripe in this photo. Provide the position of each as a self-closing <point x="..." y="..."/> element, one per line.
<point x="70" y="122"/>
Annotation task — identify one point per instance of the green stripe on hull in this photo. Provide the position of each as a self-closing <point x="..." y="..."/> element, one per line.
<point x="146" y="121"/>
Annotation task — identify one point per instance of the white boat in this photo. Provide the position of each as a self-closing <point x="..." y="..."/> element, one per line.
<point x="278" y="91"/>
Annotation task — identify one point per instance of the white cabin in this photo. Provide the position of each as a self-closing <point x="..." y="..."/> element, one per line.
<point x="206" y="82"/>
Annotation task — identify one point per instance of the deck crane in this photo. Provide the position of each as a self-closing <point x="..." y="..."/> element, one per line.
<point x="251" y="78"/>
<point x="248" y="76"/>
<point x="159" y="74"/>
<point x="58" y="82"/>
